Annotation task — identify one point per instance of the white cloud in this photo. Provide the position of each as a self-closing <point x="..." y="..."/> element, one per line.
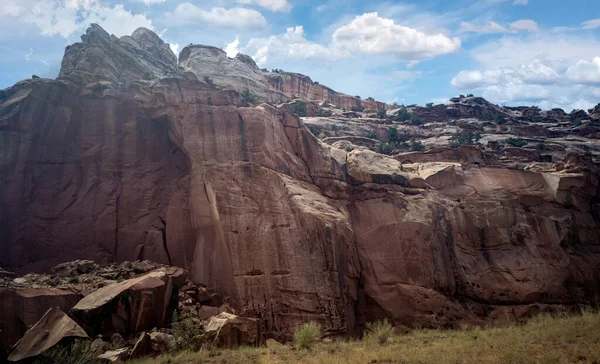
<point x="521" y="2"/>
<point x="550" y="70"/>
<point x="273" y="5"/>
<point x="71" y="17"/>
<point x="232" y="48"/>
<point x="524" y="24"/>
<point x="408" y="76"/>
<point x="292" y="45"/>
<point x="150" y="2"/>
<point x="372" y="34"/>
<point x="11" y="8"/>
<point x="234" y="18"/>
<point x="175" y="48"/>
<point x="591" y="24"/>
<point x="585" y="72"/>
<point x="489" y="27"/>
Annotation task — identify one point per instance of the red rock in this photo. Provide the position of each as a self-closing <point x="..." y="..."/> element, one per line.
<point x="232" y="331"/>
<point x="142" y="346"/>
<point x="130" y="306"/>
<point x="50" y="330"/>
<point x="22" y="307"/>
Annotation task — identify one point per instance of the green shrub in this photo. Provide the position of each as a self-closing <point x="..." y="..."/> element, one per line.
<point x="188" y="335"/>
<point x="381" y="114"/>
<point x="403" y="115"/>
<point x="516" y="142"/>
<point x="500" y="119"/>
<point x="307" y="335"/>
<point x="429" y="104"/>
<point x="371" y="135"/>
<point x="208" y="81"/>
<point x="470" y="95"/>
<point x="416" y="121"/>
<point x="370" y="98"/>
<point x="249" y="97"/>
<point x="464" y="137"/>
<point x="299" y="108"/>
<point x="417" y="146"/>
<point x="358" y="108"/>
<point x="386" y="148"/>
<point x="147" y="76"/>
<point x="380" y="331"/>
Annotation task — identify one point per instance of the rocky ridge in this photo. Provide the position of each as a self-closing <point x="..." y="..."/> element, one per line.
<point x="283" y="227"/>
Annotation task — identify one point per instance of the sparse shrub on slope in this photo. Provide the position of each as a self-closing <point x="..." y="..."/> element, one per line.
<point x="307" y="335"/>
<point x="249" y="97"/>
<point x="379" y="331"/>
<point x="299" y="108"/>
<point x="209" y="81"/>
<point x="464" y="137"/>
<point x="516" y="142"/>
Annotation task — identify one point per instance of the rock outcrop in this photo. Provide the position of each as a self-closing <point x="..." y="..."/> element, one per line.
<point x="132" y="306"/>
<point x="54" y="327"/>
<point x="283" y="227"/>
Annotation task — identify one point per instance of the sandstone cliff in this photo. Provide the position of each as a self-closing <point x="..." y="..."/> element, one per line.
<point x="242" y="74"/>
<point x="110" y="165"/>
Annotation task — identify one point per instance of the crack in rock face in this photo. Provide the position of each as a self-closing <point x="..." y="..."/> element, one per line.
<point x="129" y="155"/>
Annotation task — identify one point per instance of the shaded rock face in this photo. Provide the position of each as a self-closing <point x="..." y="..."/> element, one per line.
<point x="22" y="307"/>
<point x="284" y="228"/>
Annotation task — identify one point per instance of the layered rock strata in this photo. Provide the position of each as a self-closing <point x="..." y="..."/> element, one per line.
<point x="285" y="228"/>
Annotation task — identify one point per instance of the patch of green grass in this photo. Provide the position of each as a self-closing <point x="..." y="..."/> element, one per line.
<point x="543" y="339"/>
<point x="307" y="335"/>
<point x="379" y="331"/>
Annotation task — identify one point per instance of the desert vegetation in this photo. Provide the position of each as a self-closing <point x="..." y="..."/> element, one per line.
<point x="546" y="338"/>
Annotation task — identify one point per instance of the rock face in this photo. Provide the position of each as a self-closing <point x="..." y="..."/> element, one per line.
<point x="131" y="306"/>
<point x="285" y="228"/>
<point x="241" y="74"/>
<point x="20" y="308"/>
<point x="52" y="328"/>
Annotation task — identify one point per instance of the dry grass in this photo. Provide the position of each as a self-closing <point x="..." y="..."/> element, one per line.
<point x="544" y="339"/>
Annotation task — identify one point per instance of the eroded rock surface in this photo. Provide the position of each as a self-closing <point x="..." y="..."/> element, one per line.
<point x="283" y="227"/>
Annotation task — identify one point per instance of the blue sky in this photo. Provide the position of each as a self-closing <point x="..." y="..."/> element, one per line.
<point x="532" y="52"/>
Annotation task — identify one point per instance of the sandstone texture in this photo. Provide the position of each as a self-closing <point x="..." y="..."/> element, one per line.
<point x="283" y="227"/>
<point x="52" y="328"/>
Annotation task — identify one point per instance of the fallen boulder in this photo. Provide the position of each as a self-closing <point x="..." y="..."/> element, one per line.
<point x="50" y="330"/>
<point x="113" y="356"/>
<point x="230" y="330"/>
<point x="131" y="306"/>
<point x="20" y="308"/>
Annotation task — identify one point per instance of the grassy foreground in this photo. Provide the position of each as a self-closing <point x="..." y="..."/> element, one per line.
<point x="544" y="339"/>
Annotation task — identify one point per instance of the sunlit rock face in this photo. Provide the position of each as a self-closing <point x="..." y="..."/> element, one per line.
<point x="128" y="155"/>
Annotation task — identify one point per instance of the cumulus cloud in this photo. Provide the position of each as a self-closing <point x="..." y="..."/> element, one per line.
<point x="186" y="14"/>
<point x="591" y="24"/>
<point x="232" y="48"/>
<point x="535" y="82"/>
<point x="291" y="44"/>
<point x="585" y="72"/>
<point x="273" y="5"/>
<point x="69" y="17"/>
<point x="372" y="34"/>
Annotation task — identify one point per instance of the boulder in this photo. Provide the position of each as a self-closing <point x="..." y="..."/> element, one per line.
<point x="230" y="330"/>
<point x="365" y="166"/>
<point x="50" y="330"/>
<point x="142" y="346"/>
<point x="20" y="308"/>
<point x="131" y="306"/>
<point x="206" y="312"/>
<point x="114" y="356"/>
<point x="161" y="342"/>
